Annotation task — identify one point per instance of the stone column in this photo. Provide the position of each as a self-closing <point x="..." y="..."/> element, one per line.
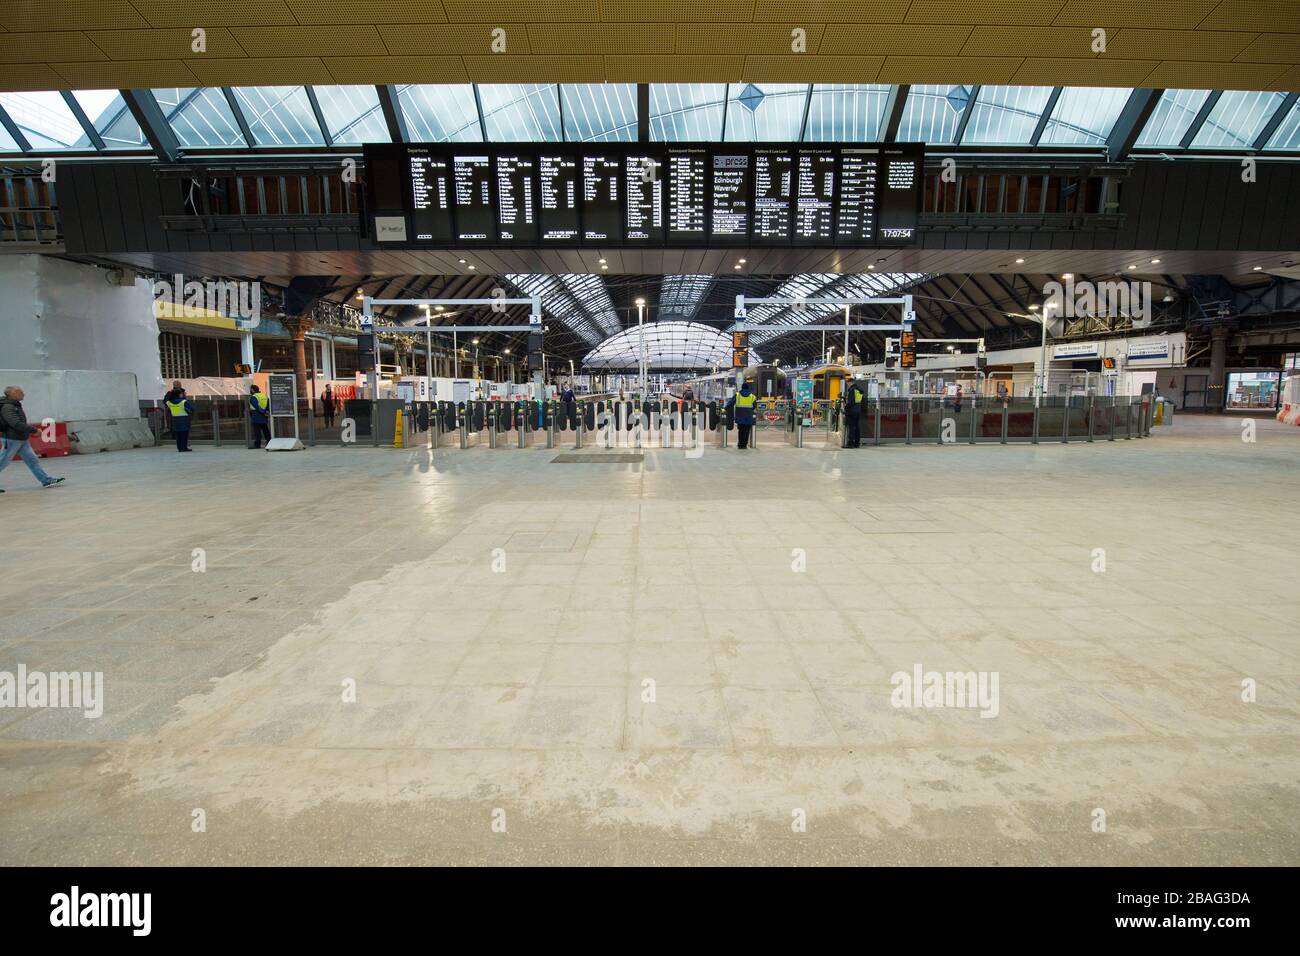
<point x="298" y="327"/>
<point x="1215" y="387"/>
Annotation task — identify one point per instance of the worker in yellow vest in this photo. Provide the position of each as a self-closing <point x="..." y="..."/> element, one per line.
<point x="742" y="413"/>
<point x="258" y="405"/>
<point x="853" y="399"/>
<point x="181" y="411"/>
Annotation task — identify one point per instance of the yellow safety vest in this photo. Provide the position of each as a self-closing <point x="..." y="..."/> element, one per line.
<point x="746" y="401"/>
<point x="177" y="409"/>
<point x="262" y="400"/>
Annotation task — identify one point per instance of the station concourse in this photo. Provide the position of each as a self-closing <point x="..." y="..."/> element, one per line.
<point x="1005" y="576"/>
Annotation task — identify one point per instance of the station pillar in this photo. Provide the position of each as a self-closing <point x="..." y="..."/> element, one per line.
<point x="298" y="326"/>
<point x="1214" y="395"/>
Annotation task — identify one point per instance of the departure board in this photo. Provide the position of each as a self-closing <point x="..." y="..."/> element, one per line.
<point x="516" y="197"/>
<point x="430" y="198"/>
<point x="602" y="197"/>
<point x="730" y="204"/>
<point x="471" y="181"/>
<point x="773" y="195"/>
<point x="814" y="197"/>
<point x="687" y="195"/>
<point x="643" y="185"/>
<point x="558" y="198"/>
<point x="674" y="195"/>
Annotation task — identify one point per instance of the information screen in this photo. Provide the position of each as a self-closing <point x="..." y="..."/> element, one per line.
<point x="606" y="195"/>
<point x="430" y="198"/>
<point x="471" y="178"/>
<point x="558" y="197"/>
<point x="814" y="198"/>
<point x="688" y="195"/>
<point x="643" y="185"/>
<point x="773" y="195"/>
<point x="516" y="197"/>
<point x="602" y="197"/>
<point x="730" y="206"/>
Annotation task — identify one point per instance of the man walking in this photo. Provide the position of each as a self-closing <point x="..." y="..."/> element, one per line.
<point x="327" y="400"/>
<point x="742" y="413"/>
<point x="17" y="434"/>
<point x="257" y="406"/>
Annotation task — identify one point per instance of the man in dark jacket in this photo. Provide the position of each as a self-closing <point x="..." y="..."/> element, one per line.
<point x="257" y="410"/>
<point x="853" y="398"/>
<point x="181" y="411"/>
<point x="742" y="413"/>
<point x="17" y="434"/>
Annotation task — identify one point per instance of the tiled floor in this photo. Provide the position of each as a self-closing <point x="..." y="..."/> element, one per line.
<point x="668" y="662"/>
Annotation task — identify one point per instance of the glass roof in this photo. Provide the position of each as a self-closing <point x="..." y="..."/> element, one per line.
<point x="1172" y="117"/>
<point x="680" y="295"/>
<point x="1011" y="117"/>
<point x="1237" y="120"/>
<point x="1287" y="135"/>
<point x="352" y="114"/>
<point x="815" y="285"/>
<point x="562" y="304"/>
<point x="1006" y="114"/>
<point x="931" y="113"/>
<point x="668" y="345"/>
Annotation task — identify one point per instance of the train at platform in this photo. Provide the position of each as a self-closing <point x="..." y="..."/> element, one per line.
<point x="768" y="382"/>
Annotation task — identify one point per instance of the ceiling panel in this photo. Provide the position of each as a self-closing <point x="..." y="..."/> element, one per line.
<point x="1223" y="44"/>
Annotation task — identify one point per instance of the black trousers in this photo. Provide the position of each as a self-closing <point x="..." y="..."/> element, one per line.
<point x="182" y="439"/>
<point x="261" y="433"/>
<point x="854" y="424"/>
<point x="744" y="431"/>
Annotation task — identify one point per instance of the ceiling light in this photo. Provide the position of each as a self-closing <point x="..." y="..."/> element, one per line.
<point x="438" y="308"/>
<point x="1132" y="267"/>
<point x="604" y="267"/>
<point x="1258" y="268"/>
<point x="1155" y="261"/>
<point x="742" y="261"/>
<point x="476" y="341"/>
<point x="736" y="266"/>
<point x="1068" y="275"/>
<point x="461" y="261"/>
<point x="1019" y="261"/>
<point x="1033" y="308"/>
<point x="601" y="261"/>
<point x="640" y="302"/>
<point x="507" y="351"/>
<point x="472" y="266"/>
<point x="871" y="265"/>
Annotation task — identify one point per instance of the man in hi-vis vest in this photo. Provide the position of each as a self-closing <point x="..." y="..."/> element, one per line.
<point x="742" y="413"/>
<point x="853" y="398"/>
<point x="258" y="404"/>
<point x="181" y="411"/>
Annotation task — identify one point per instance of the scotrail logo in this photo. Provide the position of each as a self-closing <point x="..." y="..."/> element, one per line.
<point x="193" y="299"/>
<point x="1112" y="300"/>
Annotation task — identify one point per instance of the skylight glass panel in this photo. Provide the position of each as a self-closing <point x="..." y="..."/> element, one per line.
<point x="559" y="302"/>
<point x="1172" y="117"/>
<point x="7" y="144"/>
<point x="352" y="114"/>
<point x="108" y="114"/>
<point x="1006" y="115"/>
<point x="440" y="113"/>
<point x="599" y="112"/>
<point x="279" y="115"/>
<point x="680" y="296"/>
<point x="1084" y="116"/>
<point x="520" y="112"/>
<point x="686" y="111"/>
<point x="1237" y="119"/>
<point x="765" y="112"/>
<point x="45" y="120"/>
<point x="848" y="112"/>
<point x="931" y="113"/>
<point x="199" y="117"/>
<point x="1287" y="136"/>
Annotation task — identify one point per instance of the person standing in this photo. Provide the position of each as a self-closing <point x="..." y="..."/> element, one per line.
<point x="258" y="404"/>
<point x="327" y="400"/>
<point x="853" y="399"/>
<point x="181" y="410"/>
<point x="17" y="436"/>
<point x="956" y="401"/>
<point x="742" y="413"/>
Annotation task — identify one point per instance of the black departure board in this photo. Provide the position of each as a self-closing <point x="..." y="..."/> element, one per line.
<point x="814" y="197"/>
<point x="471" y="183"/>
<point x="773" y="195"/>
<point x="558" y="197"/>
<point x="731" y="202"/>
<point x="643" y="181"/>
<point x="429" y="197"/>
<point x="602" y="197"/>
<point x="688" y="195"/>
<point x="516" y="197"/>
<point x="674" y="195"/>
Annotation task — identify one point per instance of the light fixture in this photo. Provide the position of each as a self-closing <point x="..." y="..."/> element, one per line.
<point x="462" y="261"/>
<point x="1132" y="267"/>
<point x="360" y="292"/>
<point x="1033" y="308"/>
<point x="605" y="267"/>
<point x="1068" y="275"/>
<point x="640" y="302"/>
<point x="438" y="308"/>
<point x="737" y="266"/>
<point x="476" y="341"/>
<point x="1258" y="268"/>
<point x="742" y="261"/>
<point x="601" y="261"/>
<point x="1020" y="261"/>
<point x="1155" y="261"/>
<point x="507" y="351"/>
<point x="871" y="265"/>
<point x="472" y="266"/>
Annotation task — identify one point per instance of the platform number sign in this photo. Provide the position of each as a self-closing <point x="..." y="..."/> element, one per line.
<point x="907" y="344"/>
<point x="739" y="349"/>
